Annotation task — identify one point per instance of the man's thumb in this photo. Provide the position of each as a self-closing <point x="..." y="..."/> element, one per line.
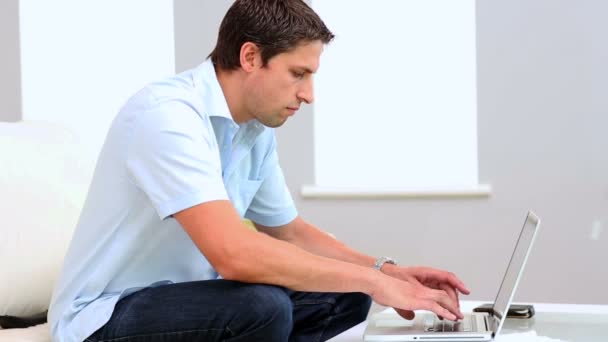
<point x="407" y="314"/>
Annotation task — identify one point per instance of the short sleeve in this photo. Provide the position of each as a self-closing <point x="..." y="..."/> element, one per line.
<point x="272" y="205"/>
<point x="174" y="159"/>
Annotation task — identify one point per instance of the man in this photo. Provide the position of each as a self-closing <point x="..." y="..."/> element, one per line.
<point x="161" y="252"/>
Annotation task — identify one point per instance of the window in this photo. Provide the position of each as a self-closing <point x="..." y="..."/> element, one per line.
<point x="396" y="100"/>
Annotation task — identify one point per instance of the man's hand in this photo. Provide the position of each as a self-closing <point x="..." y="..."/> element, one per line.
<point x="417" y="288"/>
<point x="407" y="296"/>
<point x="430" y="278"/>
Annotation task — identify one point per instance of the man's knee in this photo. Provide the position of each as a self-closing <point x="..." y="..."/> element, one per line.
<point x="359" y="304"/>
<point x="267" y="310"/>
<point x="269" y="301"/>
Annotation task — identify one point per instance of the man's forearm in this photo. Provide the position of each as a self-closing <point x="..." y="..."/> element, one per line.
<point x="263" y="259"/>
<point x="243" y="255"/>
<point x="314" y="240"/>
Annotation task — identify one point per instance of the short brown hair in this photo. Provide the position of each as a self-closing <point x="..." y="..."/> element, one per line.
<point x="275" y="26"/>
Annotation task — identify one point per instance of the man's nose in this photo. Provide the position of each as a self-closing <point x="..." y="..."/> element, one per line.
<point x="306" y="93"/>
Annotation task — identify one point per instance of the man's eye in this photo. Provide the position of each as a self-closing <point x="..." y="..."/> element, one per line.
<point x="299" y="75"/>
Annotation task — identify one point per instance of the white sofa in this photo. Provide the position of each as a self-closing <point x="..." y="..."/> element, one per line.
<point x="44" y="176"/>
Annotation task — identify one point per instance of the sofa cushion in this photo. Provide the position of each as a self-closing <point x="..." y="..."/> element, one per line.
<point x="44" y="175"/>
<point x="39" y="333"/>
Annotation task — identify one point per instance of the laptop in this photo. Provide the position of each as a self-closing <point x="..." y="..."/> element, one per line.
<point x="475" y="326"/>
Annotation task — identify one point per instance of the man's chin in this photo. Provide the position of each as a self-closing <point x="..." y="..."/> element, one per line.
<point x="275" y="122"/>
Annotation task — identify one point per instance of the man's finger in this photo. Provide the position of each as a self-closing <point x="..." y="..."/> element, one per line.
<point x="451" y="292"/>
<point x="458" y="284"/>
<point x="450" y="278"/>
<point x="438" y="309"/>
<point x="443" y="299"/>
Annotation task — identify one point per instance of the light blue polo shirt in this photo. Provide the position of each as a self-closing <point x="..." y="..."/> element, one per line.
<point x="172" y="146"/>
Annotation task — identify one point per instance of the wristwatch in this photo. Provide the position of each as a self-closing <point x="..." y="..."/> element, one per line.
<point x="383" y="260"/>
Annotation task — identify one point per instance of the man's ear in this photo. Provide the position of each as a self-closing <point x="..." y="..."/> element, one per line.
<point x="250" y="56"/>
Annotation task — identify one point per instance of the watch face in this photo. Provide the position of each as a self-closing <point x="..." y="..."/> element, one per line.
<point x="384" y="260"/>
<point x="389" y="260"/>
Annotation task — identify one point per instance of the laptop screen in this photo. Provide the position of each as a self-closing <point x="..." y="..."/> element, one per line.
<point x="516" y="266"/>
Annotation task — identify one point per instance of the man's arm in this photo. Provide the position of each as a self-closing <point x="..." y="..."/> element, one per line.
<point x="312" y="239"/>
<point x="243" y="255"/>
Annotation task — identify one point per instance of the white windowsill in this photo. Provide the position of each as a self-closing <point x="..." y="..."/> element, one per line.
<point x="475" y="191"/>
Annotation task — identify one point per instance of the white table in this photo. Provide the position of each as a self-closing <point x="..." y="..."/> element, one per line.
<point x="568" y="322"/>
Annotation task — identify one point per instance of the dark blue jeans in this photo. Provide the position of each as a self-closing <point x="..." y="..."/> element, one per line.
<point x="224" y="310"/>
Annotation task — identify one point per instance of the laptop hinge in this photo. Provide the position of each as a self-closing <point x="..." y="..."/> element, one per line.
<point x="487" y="320"/>
<point x="492" y="323"/>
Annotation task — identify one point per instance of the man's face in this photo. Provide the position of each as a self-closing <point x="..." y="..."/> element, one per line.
<point x="277" y="90"/>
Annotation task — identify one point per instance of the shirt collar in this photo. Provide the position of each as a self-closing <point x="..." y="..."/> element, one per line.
<point x="213" y="95"/>
<point x="214" y="99"/>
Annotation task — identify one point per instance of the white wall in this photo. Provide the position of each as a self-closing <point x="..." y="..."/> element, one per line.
<point x="80" y="61"/>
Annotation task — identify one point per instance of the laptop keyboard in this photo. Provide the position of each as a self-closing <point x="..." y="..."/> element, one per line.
<point x="434" y="324"/>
